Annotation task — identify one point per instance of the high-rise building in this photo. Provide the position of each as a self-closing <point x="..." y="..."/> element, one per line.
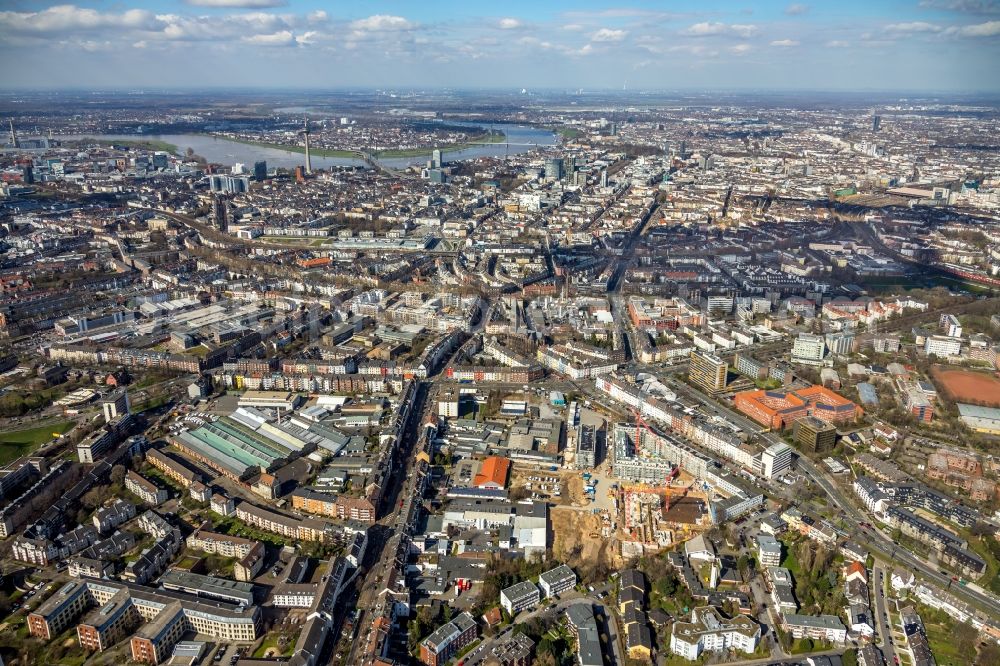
<point x="707" y="371"/>
<point x="950" y="325"/>
<point x="305" y="133"/>
<point x="554" y="168"/>
<point x="13" y="142"/>
<point x="228" y="184"/>
<point x="260" y="171"/>
<point x="841" y="343"/>
<point x="775" y="460"/>
<point x="876" y="123"/>
<point x="436" y="162"/>
<point x="27" y="174"/>
<point x="814" y="435"/>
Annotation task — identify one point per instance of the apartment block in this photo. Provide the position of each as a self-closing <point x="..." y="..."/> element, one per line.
<point x="448" y="639"/>
<point x="707" y="371"/>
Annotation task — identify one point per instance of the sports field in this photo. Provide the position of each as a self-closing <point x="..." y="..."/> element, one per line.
<point x="978" y="388"/>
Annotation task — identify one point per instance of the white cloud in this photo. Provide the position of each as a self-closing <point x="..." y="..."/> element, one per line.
<point x="382" y="23"/>
<point x="707" y="29"/>
<point x="838" y="44"/>
<point x="914" y="27"/>
<point x="93" y="45"/>
<point x="608" y="35"/>
<point x="572" y="27"/>
<point x="988" y="29"/>
<point x="796" y="9"/>
<point x="509" y="23"/>
<point x="784" y="43"/>
<point x="68" y="18"/>
<point x="234" y="27"/>
<point x="740" y="49"/>
<point x="307" y="38"/>
<point x="281" y="38"/>
<point x="237" y="4"/>
<point x="701" y="29"/>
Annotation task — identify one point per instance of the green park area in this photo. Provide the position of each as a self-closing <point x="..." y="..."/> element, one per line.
<point x="17" y="443"/>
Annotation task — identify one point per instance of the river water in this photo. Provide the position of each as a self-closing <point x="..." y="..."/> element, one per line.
<point x="520" y="139"/>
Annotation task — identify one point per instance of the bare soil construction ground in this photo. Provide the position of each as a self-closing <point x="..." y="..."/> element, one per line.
<point x="577" y="540"/>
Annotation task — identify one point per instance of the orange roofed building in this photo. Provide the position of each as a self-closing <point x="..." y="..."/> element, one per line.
<point x="856" y="570"/>
<point x="493" y="473"/>
<point x="779" y="409"/>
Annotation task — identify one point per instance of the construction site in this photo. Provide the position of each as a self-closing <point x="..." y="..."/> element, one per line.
<point x="648" y="495"/>
<point x="657" y="502"/>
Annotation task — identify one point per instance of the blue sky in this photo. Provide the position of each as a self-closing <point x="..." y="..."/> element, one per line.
<point x="890" y="45"/>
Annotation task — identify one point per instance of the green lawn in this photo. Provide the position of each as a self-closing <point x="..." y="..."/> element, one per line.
<point x="271" y="641"/>
<point x="236" y="527"/>
<point x="806" y="645"/>
<point x="939" y="636"/>
<point x="19" y="443"/>
<point x="789" y="560"/>
<point x="567" y="132"/>
<point x="987" y="551"/>
<point x="292" y="148"/>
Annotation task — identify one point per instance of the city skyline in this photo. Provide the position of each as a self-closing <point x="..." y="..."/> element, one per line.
<point x="917" y="45"/>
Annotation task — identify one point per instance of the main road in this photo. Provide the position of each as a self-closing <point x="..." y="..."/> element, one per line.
<point x="380" y="555"/>
<point x="882" y="617"/>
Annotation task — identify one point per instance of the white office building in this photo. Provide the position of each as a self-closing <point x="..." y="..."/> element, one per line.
<point x="775" y="460"/>
<point x="809" y="349"/>
<point x="943" y="346"/>
<point x="519" y="596"/>
<point x="556" y="581"/>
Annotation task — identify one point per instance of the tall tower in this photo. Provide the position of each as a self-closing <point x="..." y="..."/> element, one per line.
<point x="305" y="131"/>
<point x="14" y="143"/>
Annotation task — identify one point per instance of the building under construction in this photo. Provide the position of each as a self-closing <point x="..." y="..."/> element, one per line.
<point x="667" y="500"/>
<point x="645" y="455"/>
<point x="663" y="464"/>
